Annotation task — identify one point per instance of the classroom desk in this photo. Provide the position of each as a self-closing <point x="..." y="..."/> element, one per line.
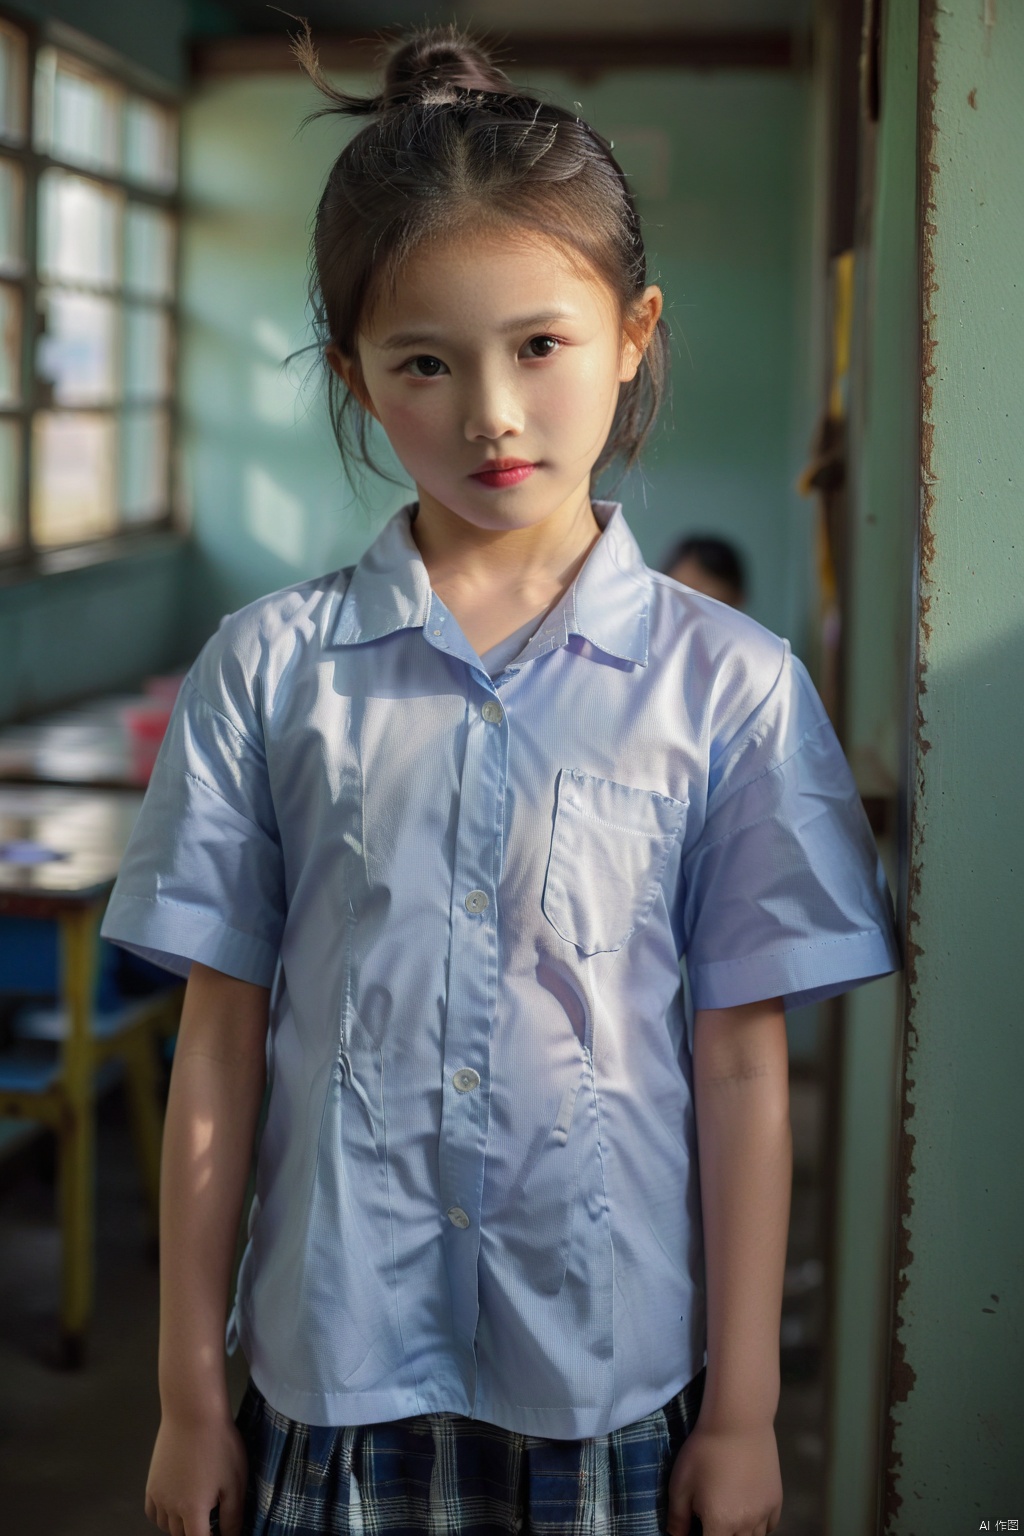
<point x="59" y="854"/>
<point x="86" y="744"/>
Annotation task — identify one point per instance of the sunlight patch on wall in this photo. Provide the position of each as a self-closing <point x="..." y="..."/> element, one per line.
<point x="274" y="517"/>
<point x="274" y="391"/>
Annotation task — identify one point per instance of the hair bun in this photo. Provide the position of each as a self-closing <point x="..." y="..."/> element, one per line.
<point x="436" y="58"/>
<point x="428" y="67"/>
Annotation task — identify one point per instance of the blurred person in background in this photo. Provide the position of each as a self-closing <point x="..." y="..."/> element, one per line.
<point x="709" y="565"/>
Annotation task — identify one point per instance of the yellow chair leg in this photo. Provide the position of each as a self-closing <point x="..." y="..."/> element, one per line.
<point x="137" y="1052"/>
<point x="77" y="1135"/>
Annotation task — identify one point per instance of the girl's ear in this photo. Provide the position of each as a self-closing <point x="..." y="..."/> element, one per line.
<point x="637" y="330"/>
<point x="348" y="370"/>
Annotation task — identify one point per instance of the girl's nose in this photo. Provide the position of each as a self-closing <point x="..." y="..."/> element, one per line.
<point x="493" y="410"/>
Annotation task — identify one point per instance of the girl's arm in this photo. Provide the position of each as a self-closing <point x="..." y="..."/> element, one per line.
<point x="216" y="1090"/>
<point x="727" y="1470"/>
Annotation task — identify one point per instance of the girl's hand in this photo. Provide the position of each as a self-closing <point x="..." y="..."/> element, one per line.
<point x="197" y="1465"/>
<point x="730" y="1478"/>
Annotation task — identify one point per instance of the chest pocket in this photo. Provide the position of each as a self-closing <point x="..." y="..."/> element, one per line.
<point x="609" y="846"/>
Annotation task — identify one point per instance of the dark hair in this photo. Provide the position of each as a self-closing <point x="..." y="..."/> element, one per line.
<point x="715" y="556"/>
<point x="453" y="140"/>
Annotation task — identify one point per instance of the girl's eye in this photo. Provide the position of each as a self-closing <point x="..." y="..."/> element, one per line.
<point x="425" y="367"/>
<point x="542" y="346"/>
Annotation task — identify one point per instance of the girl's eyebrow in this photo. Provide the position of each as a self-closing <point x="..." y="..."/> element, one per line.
<point x="400" y="340"/>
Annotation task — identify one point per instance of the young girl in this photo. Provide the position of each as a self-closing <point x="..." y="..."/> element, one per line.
<point x="446" y="823"/>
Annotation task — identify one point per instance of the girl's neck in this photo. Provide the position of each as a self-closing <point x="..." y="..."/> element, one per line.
<point x="495" y="580"/>
<point x="457" y="552"/>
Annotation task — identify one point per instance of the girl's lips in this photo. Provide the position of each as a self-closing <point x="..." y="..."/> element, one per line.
<point x="501" y="475"/>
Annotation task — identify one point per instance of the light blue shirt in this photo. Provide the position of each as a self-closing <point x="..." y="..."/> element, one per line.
<point x="477" y="1188"/>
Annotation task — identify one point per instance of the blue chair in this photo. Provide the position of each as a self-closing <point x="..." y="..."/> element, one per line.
<point x="58" y="1054"/>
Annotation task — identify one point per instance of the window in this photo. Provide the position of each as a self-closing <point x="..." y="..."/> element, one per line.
<point x="88" y="238"/>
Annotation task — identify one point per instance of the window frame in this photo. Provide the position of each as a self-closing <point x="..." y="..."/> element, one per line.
<point x="27" y="557"/>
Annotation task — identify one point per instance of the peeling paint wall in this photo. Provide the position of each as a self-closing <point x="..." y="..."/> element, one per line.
<point x="954" y="1450"/>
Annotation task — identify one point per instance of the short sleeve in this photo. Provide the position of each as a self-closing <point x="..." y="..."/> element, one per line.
<point x="202" y="877"/>
<point x="784" y="892"/>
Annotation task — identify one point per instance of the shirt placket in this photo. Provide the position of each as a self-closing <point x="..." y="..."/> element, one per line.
<point x="472" y="986"/>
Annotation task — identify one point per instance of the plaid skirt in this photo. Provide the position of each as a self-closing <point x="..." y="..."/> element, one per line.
<point x="444" y="1475"/>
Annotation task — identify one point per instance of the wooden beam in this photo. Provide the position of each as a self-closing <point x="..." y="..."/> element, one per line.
<point x="582" y="54"/>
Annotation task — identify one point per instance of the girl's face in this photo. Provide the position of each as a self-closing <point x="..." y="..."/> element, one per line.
<point x="494" y="369"/>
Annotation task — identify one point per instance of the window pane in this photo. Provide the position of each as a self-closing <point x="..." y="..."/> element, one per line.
<point x="148" y="252"/>
<point x="76" y="355"/>
<point x="10" y="344"/>
<point x="78" y="230"/>
<point x="150" y="151"/>
<point x="145" y="439"/>
<point x="12" y="229"/>
<point x="77" y="114"/>
<point x="72" y="477"/>
<point x="147" y="353"/>
<point x="13" y="95"/>
<point x="10" y="468"/>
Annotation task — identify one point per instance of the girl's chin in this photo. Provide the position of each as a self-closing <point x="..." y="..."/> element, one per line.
<point x="494" y="510"/>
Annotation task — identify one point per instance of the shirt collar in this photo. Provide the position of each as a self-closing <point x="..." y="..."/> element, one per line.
<point x="390" y="588"/>
<point x="609" y="602"/>
<point x="607" y="605"/>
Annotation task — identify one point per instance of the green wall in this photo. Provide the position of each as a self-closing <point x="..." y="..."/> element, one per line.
<point x="957" y="1385"/>
<point x="720" y="161"/>
<point x="90" y="630"/>
<point x="263" y="479"/>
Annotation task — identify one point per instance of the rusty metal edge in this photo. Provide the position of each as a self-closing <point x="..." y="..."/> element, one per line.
<point x="901" y="1375"/>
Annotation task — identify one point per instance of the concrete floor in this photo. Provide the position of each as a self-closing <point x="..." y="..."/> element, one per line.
<point x="74" y="1446"/>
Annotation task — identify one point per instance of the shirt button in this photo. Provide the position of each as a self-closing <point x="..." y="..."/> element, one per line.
<point x="458" y="1217"/>
<point x="477" y="901"/>
<point x="465" y="1080"/>
<point x="493" y="713"/>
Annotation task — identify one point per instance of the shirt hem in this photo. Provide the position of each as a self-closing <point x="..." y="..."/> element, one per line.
<point x="584" y="1423"/>
<point x="808" y="973"/>
<point x="173" y="936"/>
<point x="349" y="1409"/>
<point x="336" y="1410"/>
